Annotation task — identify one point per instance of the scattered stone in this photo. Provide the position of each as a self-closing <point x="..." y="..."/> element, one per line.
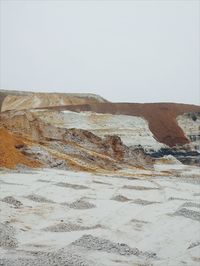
<point x="195" y="244"/>
<point x="68" y="227"/>
<point x="95" y="243"/>
<point x="68" y="185"/>
<point x="100" y="182"/>
<point x="62" y="257"/>
<point x="191" y="204"/>
<point x="11" y="200"/>
<point x="192" y="180"/>
<point x="58" y="164"/>
<point x="175" y="198"/>
<point x="43" y="156"/>
<point x="139" y="221"/>
<point x="43" y="181"/>
<point x="139" y="187"/>
<point x="194" y="215"/>
<point x="38" y="198"/>
<point x="144" y="202"/>
<point x="120" y="198"/>
<point x="7" y="236"/>
<point x="81" y="205"/>
<point x="138" y="224"/>
<point x="10" y="183"/>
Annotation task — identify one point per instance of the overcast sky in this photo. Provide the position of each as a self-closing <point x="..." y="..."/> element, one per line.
<point x="132" y="51"/>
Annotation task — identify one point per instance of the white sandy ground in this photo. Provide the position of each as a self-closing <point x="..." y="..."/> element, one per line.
<point x="153" y="227"/>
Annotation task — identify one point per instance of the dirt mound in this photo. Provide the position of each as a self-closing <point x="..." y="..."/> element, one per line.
<point x="10" y="156"/>
<point x="160" y="116"/>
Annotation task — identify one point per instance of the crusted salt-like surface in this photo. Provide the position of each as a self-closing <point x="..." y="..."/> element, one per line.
<point x="121" y="231"/>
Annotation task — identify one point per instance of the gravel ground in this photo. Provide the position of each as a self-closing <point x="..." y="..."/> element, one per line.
<point x="100" y="182"/>
<point x="192" y="180"/>
<point x="7" y="236"/>
<point x="68" y="227"/>
<point x="62" y="257"/>
<point x="95" y="243"/>
<point x="43" y="181"/>
<point x="195" y="244"/>
<point x="144" y="202"/>
<point x="139" y="187"/>
<point x="194" y="215"/>
<point x="139" y="221"/>
<point x="81" y="205"/>
<point x="11" y="200"/>
<point x="68" y="185"/>
<point x="38" y="198"/>
<point x="120" y="198"/>
<point x="175" y="198"/>
<point x="191" y="204"/>
<point x="63" y="227"/>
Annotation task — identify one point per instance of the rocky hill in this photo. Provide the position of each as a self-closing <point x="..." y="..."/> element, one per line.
<point x="86" y="132"/>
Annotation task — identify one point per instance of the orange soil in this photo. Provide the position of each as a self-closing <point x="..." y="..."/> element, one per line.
<point x="160" y="116"/>
<point x="10" y="156"/>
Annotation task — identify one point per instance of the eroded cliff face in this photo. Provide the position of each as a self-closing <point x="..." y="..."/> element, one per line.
<point x="74" y="148"/>
<point x="161" y="117"/>
<point x="85" y="132"/>
<point x="133" y="130"/>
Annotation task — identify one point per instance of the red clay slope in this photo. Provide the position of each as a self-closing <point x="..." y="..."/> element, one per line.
<point x="160" y="116"/>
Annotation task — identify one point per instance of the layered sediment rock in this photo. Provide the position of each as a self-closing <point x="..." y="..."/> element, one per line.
<point x="53" y="144"/>
<point x="87" y="132"/>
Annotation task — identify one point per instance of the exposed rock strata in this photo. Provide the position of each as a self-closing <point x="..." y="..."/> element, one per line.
<point x="83" y="147"/>
<point x="110" y="136"/>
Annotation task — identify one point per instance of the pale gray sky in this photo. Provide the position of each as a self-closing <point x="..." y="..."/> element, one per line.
<point x="133" y="51"/>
